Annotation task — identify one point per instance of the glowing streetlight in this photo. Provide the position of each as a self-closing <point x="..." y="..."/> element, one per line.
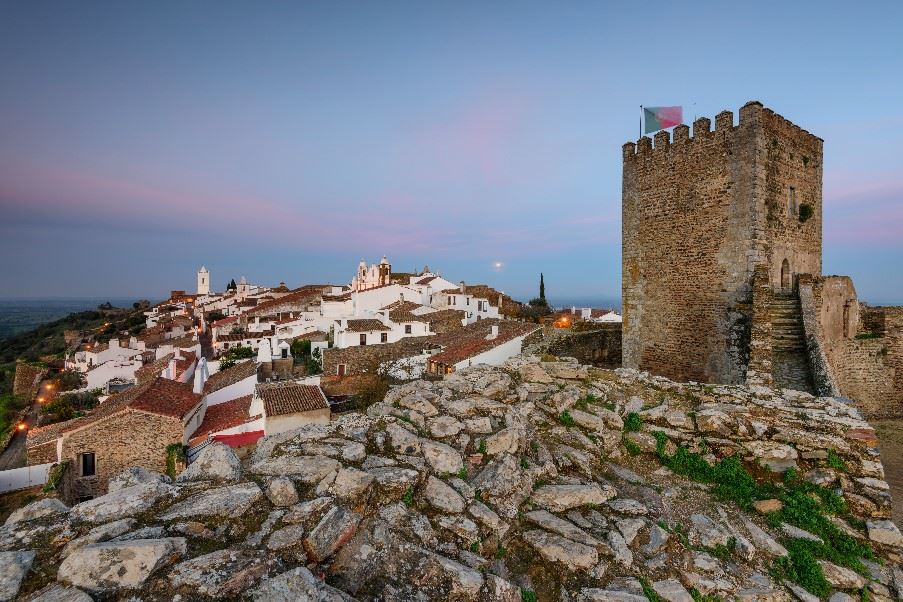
<point x="21" y="426"/>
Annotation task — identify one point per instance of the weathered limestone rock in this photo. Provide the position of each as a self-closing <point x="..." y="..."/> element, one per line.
<point x="305" y="510"/>
<point x="886" y="532"/>
<point x="441" y="496"/>
<point x="465" y="582"/>
<point x="489" y="519"/>
<point x="776" y="456"/>
<point x="559" y="498"/>
<point x="351" y="484"/>
<point x="39" y="509"/>
<point x="393" y="482"/>
<point x="122" y="503"/>
<point x="281" y="492"/>
<point x="763" y="540"/>
<point x="461" y="526"/>
<point x="306" y="469"/>
<point x="297" y="585"/>
<point x="767" y="506"/>
<point x="114" y="565"/>
<point x="555" y="548"/>
<point x="403" y="440"/>
<point x="286" y="537"/>
<point x="442" y="458"/>
<point x="231" y="501"/>
<point x="13" y="567"/>
<point x="534" y="373"/>
<point x="841" y="577"/>
<point x="135" y="476"/>
<point x="594" y="594"/>
<point x="550" y="522"/>
<point x="216" y="462"/>
<point x="501" y="590"/>
<point x="221" y="573"/>
<point x="714" y="421"/>
<point x="623" y="555"/>
<point x="505" y="441"/>
<point x="332" y="532"/>
<point x="708" y="532"/>
<point x="588" y="421"/>
<point x="671" y="590"/>
<point x="658" y="539"/>
<point x="101" y="533"/>
<point x="445" y="426"/>
<point x="60" y="593"/>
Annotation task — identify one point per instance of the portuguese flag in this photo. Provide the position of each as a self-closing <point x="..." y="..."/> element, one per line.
<point x="659" y="118"/>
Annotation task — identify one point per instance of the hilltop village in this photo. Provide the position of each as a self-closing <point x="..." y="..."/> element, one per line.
<point x="406" y="437"/>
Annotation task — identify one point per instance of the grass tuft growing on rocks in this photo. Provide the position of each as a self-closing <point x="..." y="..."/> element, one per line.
<point x="650" y="593"/>
<point x="805" y="505"/>
<point x="566" y="419"/>
<point x="633" y="422"/>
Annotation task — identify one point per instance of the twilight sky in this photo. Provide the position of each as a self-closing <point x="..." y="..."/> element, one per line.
<point x="286" y="140"/>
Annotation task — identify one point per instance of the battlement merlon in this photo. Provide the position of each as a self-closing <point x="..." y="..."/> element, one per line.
<point x="752" y="114"/>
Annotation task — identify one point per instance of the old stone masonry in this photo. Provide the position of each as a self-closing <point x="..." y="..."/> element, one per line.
<point x="529" y="481"/>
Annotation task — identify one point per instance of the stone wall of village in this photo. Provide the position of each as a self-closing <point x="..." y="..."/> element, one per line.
<point x="27" y="379"/>
<point x="122" y="441"/>
<point x="368" y="358"/>
<point x="600" y="346"/>
<point x="867" y="370"/>
<point x="699" y="213"/>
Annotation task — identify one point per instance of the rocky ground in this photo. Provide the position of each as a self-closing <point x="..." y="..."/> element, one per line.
<point x="532" y="481"/>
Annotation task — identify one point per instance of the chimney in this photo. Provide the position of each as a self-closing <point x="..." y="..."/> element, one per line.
<point x="198" y="380"/>
<point x="500" y="301"/>
<point x="573" y="309"/>
<point x="170" y="371"/>
<point x="493" y="331"/>
<point x="463" y="288"/>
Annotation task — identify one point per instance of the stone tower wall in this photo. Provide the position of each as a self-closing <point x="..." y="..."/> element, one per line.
<point x="699" y="214"/>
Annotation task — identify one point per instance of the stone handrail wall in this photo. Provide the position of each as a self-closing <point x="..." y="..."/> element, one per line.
<point x="819" y="364"/>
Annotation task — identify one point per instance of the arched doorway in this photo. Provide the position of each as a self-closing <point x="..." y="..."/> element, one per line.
<point x="785" y="274"/>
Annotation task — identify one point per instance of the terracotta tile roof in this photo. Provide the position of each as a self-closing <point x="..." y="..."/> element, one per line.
<point x="182" y="342"/>
<point x="184" y="364"/>
<point x="224" y="321"/>
<point x="365" y="325"/>
<point x="316" y="335"/>
<point x="442" y="315"/>
<point x="426" y="280"/>
<point x="509" y="307"/>
<point x="402" y="306"/>
<point x="152" y="371"/>
<point x="280" y="399"/>
<point x="230" y="376"/>
<point x="223" y="416"/>
<point x="245" y="336"/>
<point x="300" y="296"/>
<point x="166" y="398"/>
<point x="158" y="396"/>
<point x="472" y="339"/>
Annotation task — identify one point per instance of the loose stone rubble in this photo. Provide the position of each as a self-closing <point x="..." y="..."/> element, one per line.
<point x="494" y="484"/>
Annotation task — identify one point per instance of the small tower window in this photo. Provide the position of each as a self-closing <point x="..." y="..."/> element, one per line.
<point x="791" y="202"/>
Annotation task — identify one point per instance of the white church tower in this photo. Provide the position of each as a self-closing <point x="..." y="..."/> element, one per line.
<point x="203" y="282"/>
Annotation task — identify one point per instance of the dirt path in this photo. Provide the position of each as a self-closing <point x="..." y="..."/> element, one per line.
<point x="890" y="434"/>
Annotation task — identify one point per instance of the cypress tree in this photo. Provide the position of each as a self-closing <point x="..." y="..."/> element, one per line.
<point x="542" y="287"/>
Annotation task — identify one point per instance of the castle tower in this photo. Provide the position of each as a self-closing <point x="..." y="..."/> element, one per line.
<point x="203" y="282"/>
<point x="700" y="214"/>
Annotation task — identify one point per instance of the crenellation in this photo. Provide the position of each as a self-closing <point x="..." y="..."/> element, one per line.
<point x="724" y="121"/>
<point x="702" y="127"/>
<point x="628" y="150"/>
<point x="644" y="145"/>
<point x="681" y="134"/>
<point x="662" y="140"/>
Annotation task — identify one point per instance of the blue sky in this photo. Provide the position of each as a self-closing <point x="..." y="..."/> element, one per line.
<point x="286" y="140"/>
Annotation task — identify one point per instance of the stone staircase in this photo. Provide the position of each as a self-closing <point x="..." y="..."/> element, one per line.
<point x="790" y="361"/>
